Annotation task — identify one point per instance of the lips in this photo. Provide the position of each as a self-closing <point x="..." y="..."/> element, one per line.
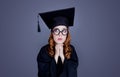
<point x="59" y="38"/>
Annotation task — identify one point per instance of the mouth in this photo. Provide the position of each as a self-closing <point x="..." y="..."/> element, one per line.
<point x="59" y="38"/>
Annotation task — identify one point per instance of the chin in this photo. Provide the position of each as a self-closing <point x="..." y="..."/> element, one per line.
<point x="59" y="42"/>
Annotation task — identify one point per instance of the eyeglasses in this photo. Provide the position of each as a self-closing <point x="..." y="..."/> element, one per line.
<point x="56" y="31"/>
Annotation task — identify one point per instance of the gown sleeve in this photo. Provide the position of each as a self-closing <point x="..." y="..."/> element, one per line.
<point x="72" y="64"/>
<point x="44" y="62"/>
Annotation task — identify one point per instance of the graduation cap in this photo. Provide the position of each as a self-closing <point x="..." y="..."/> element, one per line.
<point x="58" y="17"/>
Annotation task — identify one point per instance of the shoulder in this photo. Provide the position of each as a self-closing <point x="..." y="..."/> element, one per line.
<point x="43" y="53"/>
<point x="74" y="54"/>
<point x="44" y="48"/>
<point x="72" y="47"/>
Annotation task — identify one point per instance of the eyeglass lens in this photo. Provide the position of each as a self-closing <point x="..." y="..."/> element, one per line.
<point x="57" y="31"/>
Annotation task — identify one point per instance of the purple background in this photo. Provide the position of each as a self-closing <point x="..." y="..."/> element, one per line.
<point x="95" y="35"/>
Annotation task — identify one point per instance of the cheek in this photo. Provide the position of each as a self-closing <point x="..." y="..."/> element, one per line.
<point x="64" y="38"/>
<point x="55" y="38"/>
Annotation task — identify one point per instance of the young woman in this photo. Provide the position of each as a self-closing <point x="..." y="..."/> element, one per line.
<point x="58" y="58"/>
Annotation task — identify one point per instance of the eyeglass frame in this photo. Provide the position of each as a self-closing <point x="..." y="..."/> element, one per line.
<point x="59" y="31"/>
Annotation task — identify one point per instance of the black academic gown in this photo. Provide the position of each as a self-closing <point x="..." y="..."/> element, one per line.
<point x="47" y="66"/>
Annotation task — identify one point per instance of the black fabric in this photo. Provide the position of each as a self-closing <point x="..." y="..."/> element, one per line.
<point x="47" y="66"/>
<point x="60" y="21"/>
<point x="51" y="18"/>
<point x="59" y="67"/>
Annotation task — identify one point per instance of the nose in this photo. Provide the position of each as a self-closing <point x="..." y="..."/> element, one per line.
<point x="60" y="34"/>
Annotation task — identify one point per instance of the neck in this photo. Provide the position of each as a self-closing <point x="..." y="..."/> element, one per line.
<point x="59" y="43"/>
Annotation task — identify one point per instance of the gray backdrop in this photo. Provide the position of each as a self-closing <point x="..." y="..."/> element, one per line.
<point x="95" y="35"/>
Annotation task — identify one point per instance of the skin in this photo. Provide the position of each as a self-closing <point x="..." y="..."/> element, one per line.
<point x="59" y="40"/>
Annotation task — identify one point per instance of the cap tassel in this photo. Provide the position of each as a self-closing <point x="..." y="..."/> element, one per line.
<point x="39" y="30"/>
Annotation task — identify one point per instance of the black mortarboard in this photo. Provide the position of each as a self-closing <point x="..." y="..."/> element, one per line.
<point x="58" y="17"/>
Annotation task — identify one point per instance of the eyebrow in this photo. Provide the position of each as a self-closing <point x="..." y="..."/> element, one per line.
<point x="64" y="28"/>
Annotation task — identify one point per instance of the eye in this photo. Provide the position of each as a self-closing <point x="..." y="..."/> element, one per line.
<point x="56" y="31"/>
<point x="64" y="31"/>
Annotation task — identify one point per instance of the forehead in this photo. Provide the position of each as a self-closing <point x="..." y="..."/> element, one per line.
<point x="60" y="27"/>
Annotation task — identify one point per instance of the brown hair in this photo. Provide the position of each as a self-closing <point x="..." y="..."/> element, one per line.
<point x="66" y="47"/>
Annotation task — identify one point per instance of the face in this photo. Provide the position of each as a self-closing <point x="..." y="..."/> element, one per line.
<point x="60" y="34"/>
